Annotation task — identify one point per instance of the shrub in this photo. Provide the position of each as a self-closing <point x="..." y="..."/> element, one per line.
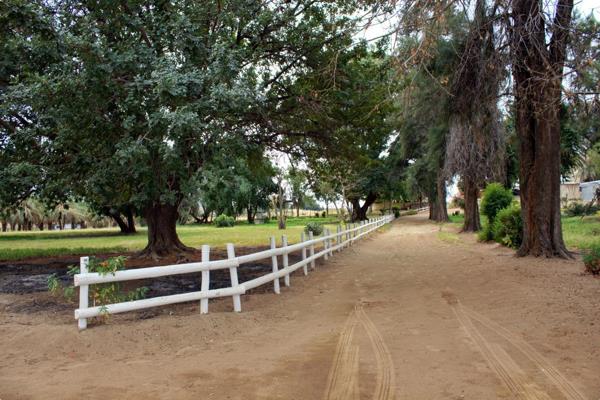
<point x="495" y="198"/>
<point x="315" y="227"/>
<point x="508" y="227"/>
<point x="396" y="211"/>
<point x="577" y="209"/>
<point x="224" y="221"/>
<point x="324" y="214"/>
<point x="591" y="260"/>
<point x="486" y="233"/>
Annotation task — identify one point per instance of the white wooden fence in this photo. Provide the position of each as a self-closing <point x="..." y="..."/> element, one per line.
<point x="330" y="242"/>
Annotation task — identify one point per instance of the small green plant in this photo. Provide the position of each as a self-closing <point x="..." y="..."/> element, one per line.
<point x="591" y="260"/>
<point x="56" y="288"/>
<point x="396" y="211"/>
<point x="100" y="294"/>
<point x="224" y="221"/>
<point x="508" y="227"/>
<point x="54" y="285"/>
<point x="324" y="214"/>
<point x="315" y="227"/>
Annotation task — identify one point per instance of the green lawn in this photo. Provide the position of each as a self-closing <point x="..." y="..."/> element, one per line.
<point x="18" y="245"/>
<point x="578" y="233"/>
<point x="581" y="233"/>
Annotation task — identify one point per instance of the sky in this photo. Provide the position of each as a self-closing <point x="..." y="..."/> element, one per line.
<point x="377" y="29"/>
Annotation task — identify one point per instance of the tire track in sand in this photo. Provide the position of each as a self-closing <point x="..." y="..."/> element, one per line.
<point x="342" y="382"/>
<point x="343" y="378"/>
<point x="503" y="365"/>
<point x="567" y="389"/>
<point x="385" y="385"/>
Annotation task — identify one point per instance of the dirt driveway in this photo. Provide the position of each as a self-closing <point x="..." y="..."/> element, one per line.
<point x="408" y="313"/>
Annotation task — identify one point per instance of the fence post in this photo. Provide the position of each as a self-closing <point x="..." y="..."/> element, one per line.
<point x="304" y="267"/>
<point x="205" y="284"/>
<point x="83" y="292"/>
<point x="330" y="240"/>
<point x="347" y="235"/>
<point x="275" y="268"/>
<point x="338" y="238"/>
<point x="312" y="250"/>
<point x="326" y="255"/>
<point x="237" y="302"/>
<point x="284" y="243"/>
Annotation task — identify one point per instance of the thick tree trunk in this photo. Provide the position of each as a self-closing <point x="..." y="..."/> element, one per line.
<point x="472" y="222"/>
<point x="4" y="226"/>
<point x="537" y="73"/>
<point x="360" y="213"/>
<point x="433" y="209"/>
<point x="438" y="210"/>
<point x="127" y="225"/>
<point x="250" y="215"/>
<point x="130" y="220"/>
<point x="120" y="222"/>
<point x="162" y="232"/>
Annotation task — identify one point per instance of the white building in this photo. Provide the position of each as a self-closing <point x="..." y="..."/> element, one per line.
<point x="588" y="190"/>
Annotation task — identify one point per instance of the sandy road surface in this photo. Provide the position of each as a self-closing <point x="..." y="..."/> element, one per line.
<point x="403" y="314"/>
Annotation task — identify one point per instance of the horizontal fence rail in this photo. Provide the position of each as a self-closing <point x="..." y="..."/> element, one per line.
<point x="330" y="242"/>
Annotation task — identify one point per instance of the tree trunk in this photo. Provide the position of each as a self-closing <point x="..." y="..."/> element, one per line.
<point x="442" y="209"/>
<point x="433" y="209"/>
<point x="250" y="215"/>
<point x="120" y="222"/>
<point x="281" y="203"/>
<point x="472" y="222"/>
<point x="360" y="213"/>
<point x="130" y="220"/>
<point x="4" y="226"/>
<point x="162" y="232"/>
<point x="126" y="226"/>
<point x="537" y="73"/>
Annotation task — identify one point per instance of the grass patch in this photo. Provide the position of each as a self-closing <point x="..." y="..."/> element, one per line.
<point x="448" y="237"/>
<point x="457" y="219"/>
<point x="19" y="245"/>
<point x="581" y="233"/>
